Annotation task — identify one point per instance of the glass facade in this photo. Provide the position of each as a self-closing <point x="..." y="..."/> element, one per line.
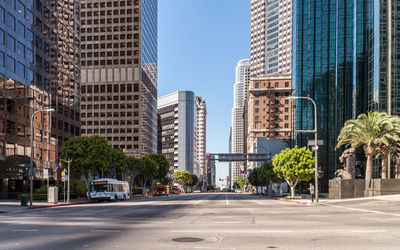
<point x="39" y="69"/>
<point x="341" y="59"/>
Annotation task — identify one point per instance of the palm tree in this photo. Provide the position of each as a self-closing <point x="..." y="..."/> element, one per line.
<point x="373" y="130"/>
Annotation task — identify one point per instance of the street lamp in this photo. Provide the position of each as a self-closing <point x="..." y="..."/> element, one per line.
<point x="315" y="131"/>
<point x="31" y="158"/>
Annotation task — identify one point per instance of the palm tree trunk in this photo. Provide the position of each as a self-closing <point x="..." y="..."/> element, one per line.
<point x="397" y="171"/>
<point x="369" y="152"/>
<point x="368" y="169"/>
<point x="384" y="167"/>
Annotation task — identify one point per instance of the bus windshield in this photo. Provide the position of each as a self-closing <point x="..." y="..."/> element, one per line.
<point x="100" y="188"/>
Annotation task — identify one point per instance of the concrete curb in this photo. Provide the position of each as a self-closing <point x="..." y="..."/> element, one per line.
<point x="80" y="203"/>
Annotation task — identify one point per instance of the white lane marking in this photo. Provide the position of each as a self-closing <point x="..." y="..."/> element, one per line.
<point x="228" y="222"/>
<point x="185" y="231"/>
<point x="199" y="201"/>
<point x="318" y="215"/>
<point x="276" y="231"/>
<point x="25" y="230"/>
<point x="257" y="202"/>
<point x="214" y="248"/>
<point x="105" y="231"/>
<point x="388" y="219"/>
<point x="226" y="200"/>
<point x="369" y="218"/>
<point x="363" y="210"/>
<point x="369" y="231"/>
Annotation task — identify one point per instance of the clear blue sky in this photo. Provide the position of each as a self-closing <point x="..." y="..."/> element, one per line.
<point x="199" y="45"/>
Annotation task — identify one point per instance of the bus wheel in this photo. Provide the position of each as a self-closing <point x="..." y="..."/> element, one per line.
<point x="115" y="198"/>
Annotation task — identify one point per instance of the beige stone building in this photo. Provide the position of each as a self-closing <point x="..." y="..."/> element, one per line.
<point x="119" y="73"/>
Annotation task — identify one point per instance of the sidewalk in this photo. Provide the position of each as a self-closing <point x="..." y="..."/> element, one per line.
<point x="9" y="206"/>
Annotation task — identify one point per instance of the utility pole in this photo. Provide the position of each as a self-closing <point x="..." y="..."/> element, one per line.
<point x="68" y="179"/>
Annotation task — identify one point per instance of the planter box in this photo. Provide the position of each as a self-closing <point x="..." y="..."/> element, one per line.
<point x="356" y="188"/>
<point x="377" y="187"/>
<point x="344" y="189"/>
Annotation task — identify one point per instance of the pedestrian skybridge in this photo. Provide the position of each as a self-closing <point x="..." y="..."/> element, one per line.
<point x="240" y="157"/>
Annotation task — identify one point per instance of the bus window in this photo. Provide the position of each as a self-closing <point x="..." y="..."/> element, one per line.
<point x="100" y="188"/>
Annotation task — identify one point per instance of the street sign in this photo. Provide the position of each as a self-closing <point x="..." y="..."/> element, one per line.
<point x="63" y="179"/>
<point x="46" y="174"/>
<point x="312" y="142"/>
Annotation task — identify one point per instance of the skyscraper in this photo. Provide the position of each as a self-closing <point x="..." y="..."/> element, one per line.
<point x="119" y="73"/>
<point x="177" y="130"/>
<point x="201" y="129"/>
<point x="238" y="116"/>
<point x="271" y="37"/>
<point x="39" y="69"/>
<point x="342" y="63"/>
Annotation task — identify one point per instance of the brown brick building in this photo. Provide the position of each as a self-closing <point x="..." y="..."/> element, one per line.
<point x="270" y="114"/>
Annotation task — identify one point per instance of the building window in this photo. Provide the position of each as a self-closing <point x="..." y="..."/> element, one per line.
<point x="10" y="21"/>
<point x="10" y="64"/>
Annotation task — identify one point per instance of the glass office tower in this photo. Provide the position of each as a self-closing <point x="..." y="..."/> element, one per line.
<point x="341" y="54"/>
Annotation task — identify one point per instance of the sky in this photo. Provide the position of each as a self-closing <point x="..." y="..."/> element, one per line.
<point x="199" y="45"/>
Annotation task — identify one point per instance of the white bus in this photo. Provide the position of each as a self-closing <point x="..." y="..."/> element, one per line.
<point x="109" y="189"/>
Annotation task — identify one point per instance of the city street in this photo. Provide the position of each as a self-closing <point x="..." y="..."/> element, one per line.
<point x="205" y="221"/>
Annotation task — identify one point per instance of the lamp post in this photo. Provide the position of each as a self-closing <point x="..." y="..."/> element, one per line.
<point x="315" y="131"/>
<point x="68" y="178"/>
<point x="32" y="150"/>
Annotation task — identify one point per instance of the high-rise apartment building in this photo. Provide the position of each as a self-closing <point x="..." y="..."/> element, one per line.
<point x="177" y="129"/>
<point x="119" y="73"/>
<point x="342" y="63"/>
<point x="239" y="116"/>
<point x="201" y="129"/>
<point x="39" y="69"/>
<point x="271" y="64"/>
<point x="271" y="37"/>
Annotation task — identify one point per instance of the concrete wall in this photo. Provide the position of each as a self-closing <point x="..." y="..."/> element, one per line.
<point x="343" y="189"/>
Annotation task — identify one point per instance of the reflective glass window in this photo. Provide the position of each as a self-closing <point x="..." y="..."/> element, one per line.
<point x="20" y="8"/>
<point x="10" y="21"/>
<point x="29" y="74"/>
<point x="10" y="42"/>
<point x="21" y="49"/>
<point x="1" y="36"/>
<point x="2" y="15"/>
<point x="20" y="29"/>
<point x="29" y="36"/>
<point x="10" y="64"/>
<point x="20" y="69"/>
<point x="29" y="16"/>
<point x="1" y="59"/>
<point x="11" y="3"/>
<point x="29" y="55"/>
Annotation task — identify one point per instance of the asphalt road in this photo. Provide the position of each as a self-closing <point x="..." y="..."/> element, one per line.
<point x="205" y="221"/>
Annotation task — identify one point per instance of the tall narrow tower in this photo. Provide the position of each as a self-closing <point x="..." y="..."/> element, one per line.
<point x="238" y="115"/>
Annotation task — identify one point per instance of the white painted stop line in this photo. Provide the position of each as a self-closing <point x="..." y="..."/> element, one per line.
<point x="105" y="231"/>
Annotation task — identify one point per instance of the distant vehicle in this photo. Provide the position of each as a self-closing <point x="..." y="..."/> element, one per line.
<point x="161" y="190"/>
<point x="175" y="190"/>
<point x="238" y="191"/>
<point x="109" y="190"/>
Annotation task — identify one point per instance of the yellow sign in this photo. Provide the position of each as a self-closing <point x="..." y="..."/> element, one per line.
<point x="62" y="174"/>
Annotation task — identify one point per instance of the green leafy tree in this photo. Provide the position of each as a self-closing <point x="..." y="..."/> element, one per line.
<point x="132" y="170"/>
<point x="195" y="180"/>
<point x="372" y="131"/>
<point x="146" y="169"/>
<point x="253" y="177"/>
<point x="270" y="175"/>
<point x="118" y="164"/>
<point x="88" y="154"/>
<point x="240" y="182"/>
<point x="162" y="165"/>
<point x="183" y="178"/>
<point x="293" y="165"/>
